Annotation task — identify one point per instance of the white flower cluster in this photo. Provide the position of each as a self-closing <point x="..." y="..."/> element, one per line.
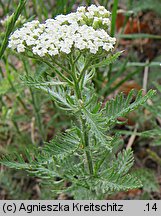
<point x="97" y="17"/>
<point x="83" y="30"/>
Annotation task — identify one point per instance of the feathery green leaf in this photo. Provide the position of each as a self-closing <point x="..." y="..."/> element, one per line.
<point x="120" y="106"/>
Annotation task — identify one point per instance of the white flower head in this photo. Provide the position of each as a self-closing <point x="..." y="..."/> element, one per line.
<point x="93" y="8"/>
<point x="86" y="29"/>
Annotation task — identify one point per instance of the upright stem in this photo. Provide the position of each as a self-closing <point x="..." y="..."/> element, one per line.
<point x="86" y="146"/>
<point x="12" y="85"/>
<point x="83" y="123"/>
<point x="113" y="26"/>
<point x="38" y="116"/>
<point x="36" y="108"/>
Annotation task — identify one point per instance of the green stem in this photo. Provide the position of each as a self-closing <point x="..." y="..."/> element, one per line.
<point x="11" y="25"/>
<point x="58" y="72"/>
<point x="38" y="116"/>
<point x="114" y="16"/>
<point x="83" y="123"/>
<point x="109" y="72"/>
<point x="113" y="26"/>
<point x="76" y="85"/>
<point x="16" y="126"/>
<point x="61" y="66"/>
<point x="84" y="70"/>
<point x="12" y="85"/>
<point x="1" y="72"/>
<point x="101" y="162"/>
<point x="86" y="147"/>
<point x="36" y="108"/>
<point x="77" y="58"/>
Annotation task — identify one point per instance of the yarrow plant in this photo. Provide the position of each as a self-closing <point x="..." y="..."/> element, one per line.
<point x="86" y="155"/>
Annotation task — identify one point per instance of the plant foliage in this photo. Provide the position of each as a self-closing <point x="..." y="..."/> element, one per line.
<point x="64" y="156"/>
<point x="86" y="160"/>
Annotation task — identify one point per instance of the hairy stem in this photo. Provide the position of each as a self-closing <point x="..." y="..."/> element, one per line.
<point x="86" y="146"/>
<point x="83" y="123"/>
<point x="59" y="73"/>
<point x="38" y="116"/>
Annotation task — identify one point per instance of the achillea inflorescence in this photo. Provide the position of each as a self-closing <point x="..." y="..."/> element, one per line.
<point x="87" y="29"/>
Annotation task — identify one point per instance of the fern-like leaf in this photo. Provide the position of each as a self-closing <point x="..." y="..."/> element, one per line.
<point x="38" y="166"/>
<point x="115" y="183"/>
<point x="43" y="165"/>
<point x="124" y="161"/>
<point x="120" y="106"/>
<point x="107" y="61"/>
<point x="38" y="82"/>
<point x="98" y="127"/>
<point x="63" y="145"/>
<point x="56" y="90"/>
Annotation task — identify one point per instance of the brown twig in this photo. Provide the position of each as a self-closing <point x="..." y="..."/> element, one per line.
<point x="33" y="129"/>
<point x="145" y="77"/>
<point x="132" y="138"/>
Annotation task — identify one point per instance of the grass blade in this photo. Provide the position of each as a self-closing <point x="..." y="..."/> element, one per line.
<point x="114" y="15"/>
<point x="139" y="36"/>
<point x="11" y="25"/>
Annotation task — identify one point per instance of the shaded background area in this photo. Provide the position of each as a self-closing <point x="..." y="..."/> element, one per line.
<point x="28" y="117"/>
